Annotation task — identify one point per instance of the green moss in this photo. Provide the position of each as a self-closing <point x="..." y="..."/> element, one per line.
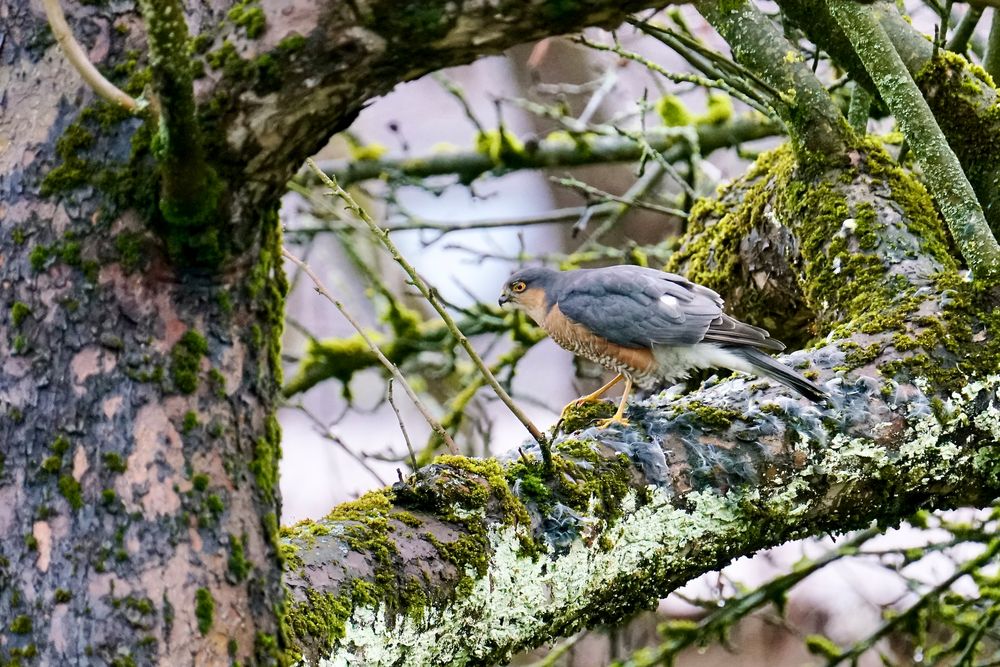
<point x="185" y="359"/>
<point x="856" y="355"/>
<point x="321" y="615"/>
<point x="583" y="415"/>
<point x="367" y="151"/>
<point x="131" y="251"/>
<point x="225" y="302"/>
<point x="31" y="542"/>
<point x="204" y="610"/>
<point x="214" y="504"/>
<point x="190" y="421"/>
<point x="843" y="271"/>
<point x="52" y="464"/>
<point x="250" y="17"/>
<point x="199" y="481"/>
<point x="673" y="112"/>
<point x="113" y="462"/>
<point x="39" y="257"/>
<point x="62" y="596"/>
<point x="21" y="625"/>
<point x="966" y="105"/>
<point x="217" y="381"/>
<point x="18" y="236"/>
<point x="19" y="312"/>
<point x="60" y="445"/>
<point x="71" y="491"/>
<point x="239" y="566"/>
<point x="267" y="454"/>
<point x="719" y="111"/>
<point x="502" y="147"/>
<point x="108" y="497"/>
<point x="407" y="518"/>
<point x="423" y="21"/>
<point x="292" y="43"/>
<point x="823" y="647"/>
<point x="710" y="416"/>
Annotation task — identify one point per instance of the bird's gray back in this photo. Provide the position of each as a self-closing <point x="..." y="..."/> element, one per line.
<point x="638" y="307"/>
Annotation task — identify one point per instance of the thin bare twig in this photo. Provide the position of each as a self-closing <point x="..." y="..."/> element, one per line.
<point x="391" y="367"/>
<point x="80" y="61"/>
<point x="402" y="426"/>
<point x="435" y="302"/>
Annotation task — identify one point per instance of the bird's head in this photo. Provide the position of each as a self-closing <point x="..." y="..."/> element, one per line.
<point x="527" y="290"/>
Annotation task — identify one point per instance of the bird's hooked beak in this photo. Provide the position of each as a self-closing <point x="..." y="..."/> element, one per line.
<point x="504" y="298"/>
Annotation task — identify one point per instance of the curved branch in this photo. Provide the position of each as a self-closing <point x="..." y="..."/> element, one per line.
<point x="334" y="57"/>
<point x="80" y="61"/>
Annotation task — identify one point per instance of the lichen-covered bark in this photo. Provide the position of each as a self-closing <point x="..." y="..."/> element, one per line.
<point x="138" y="445"/>
<point x="467" y="561"/>
<point x="816" y="126"/>
<point x="312" y="66"/>
<point x="965" y="103"/>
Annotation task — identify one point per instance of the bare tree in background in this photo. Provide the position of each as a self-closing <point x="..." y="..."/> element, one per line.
<point x="141" y="259"/>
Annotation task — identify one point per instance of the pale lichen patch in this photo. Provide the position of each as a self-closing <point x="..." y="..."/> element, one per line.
<point x="111" y="406"/>
<point x="80" y="463"/>
<point x="42" y="532"/>
<point x="155" y="465"/>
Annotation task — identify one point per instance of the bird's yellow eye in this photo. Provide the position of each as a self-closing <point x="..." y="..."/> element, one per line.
<point x="519" y="286"/>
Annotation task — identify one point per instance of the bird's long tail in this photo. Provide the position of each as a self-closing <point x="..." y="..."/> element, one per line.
<point x="767" y="365"/>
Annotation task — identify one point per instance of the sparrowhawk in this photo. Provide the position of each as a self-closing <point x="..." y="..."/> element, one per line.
<point x="650" y="326"/>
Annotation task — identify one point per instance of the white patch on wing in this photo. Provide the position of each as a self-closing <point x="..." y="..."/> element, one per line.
<point x="671" y="304"/>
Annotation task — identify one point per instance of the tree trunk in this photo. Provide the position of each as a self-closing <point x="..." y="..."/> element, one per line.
<point x="138" y="492"/>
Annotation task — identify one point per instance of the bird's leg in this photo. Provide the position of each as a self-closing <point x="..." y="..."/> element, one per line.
<point x="619" y="416"/>
<point x="590" y="398"/>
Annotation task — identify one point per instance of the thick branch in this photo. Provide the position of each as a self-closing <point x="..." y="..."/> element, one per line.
<point x="963" y="101"/>
<point x="190" y="189"/>
<point x="818" y="130"/>
<point x="942" y="170"/>
<point x="468" y="561"/>
<point x="334" y="57"/>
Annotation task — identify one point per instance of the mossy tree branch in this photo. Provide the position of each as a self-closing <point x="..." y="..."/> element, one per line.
<point x="468" y="561"/>
<point x="991" y="62"/>
<point x="557" y="150"/>
<point x="964" y="103"/>
<point x="818" y="130"/>
<point x="941" y="168"/>
<point x="190" y="188"/>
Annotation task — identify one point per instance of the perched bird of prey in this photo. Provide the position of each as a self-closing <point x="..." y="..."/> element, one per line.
<point x="650" y="326"/>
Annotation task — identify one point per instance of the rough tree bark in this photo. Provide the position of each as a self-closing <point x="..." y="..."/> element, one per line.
<point x="138" y="445"/>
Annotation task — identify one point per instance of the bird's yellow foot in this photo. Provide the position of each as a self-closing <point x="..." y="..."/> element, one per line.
<point x="608" y="423"/>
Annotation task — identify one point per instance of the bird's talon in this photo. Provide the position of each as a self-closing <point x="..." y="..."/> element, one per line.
<point x="607" y="423"/>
